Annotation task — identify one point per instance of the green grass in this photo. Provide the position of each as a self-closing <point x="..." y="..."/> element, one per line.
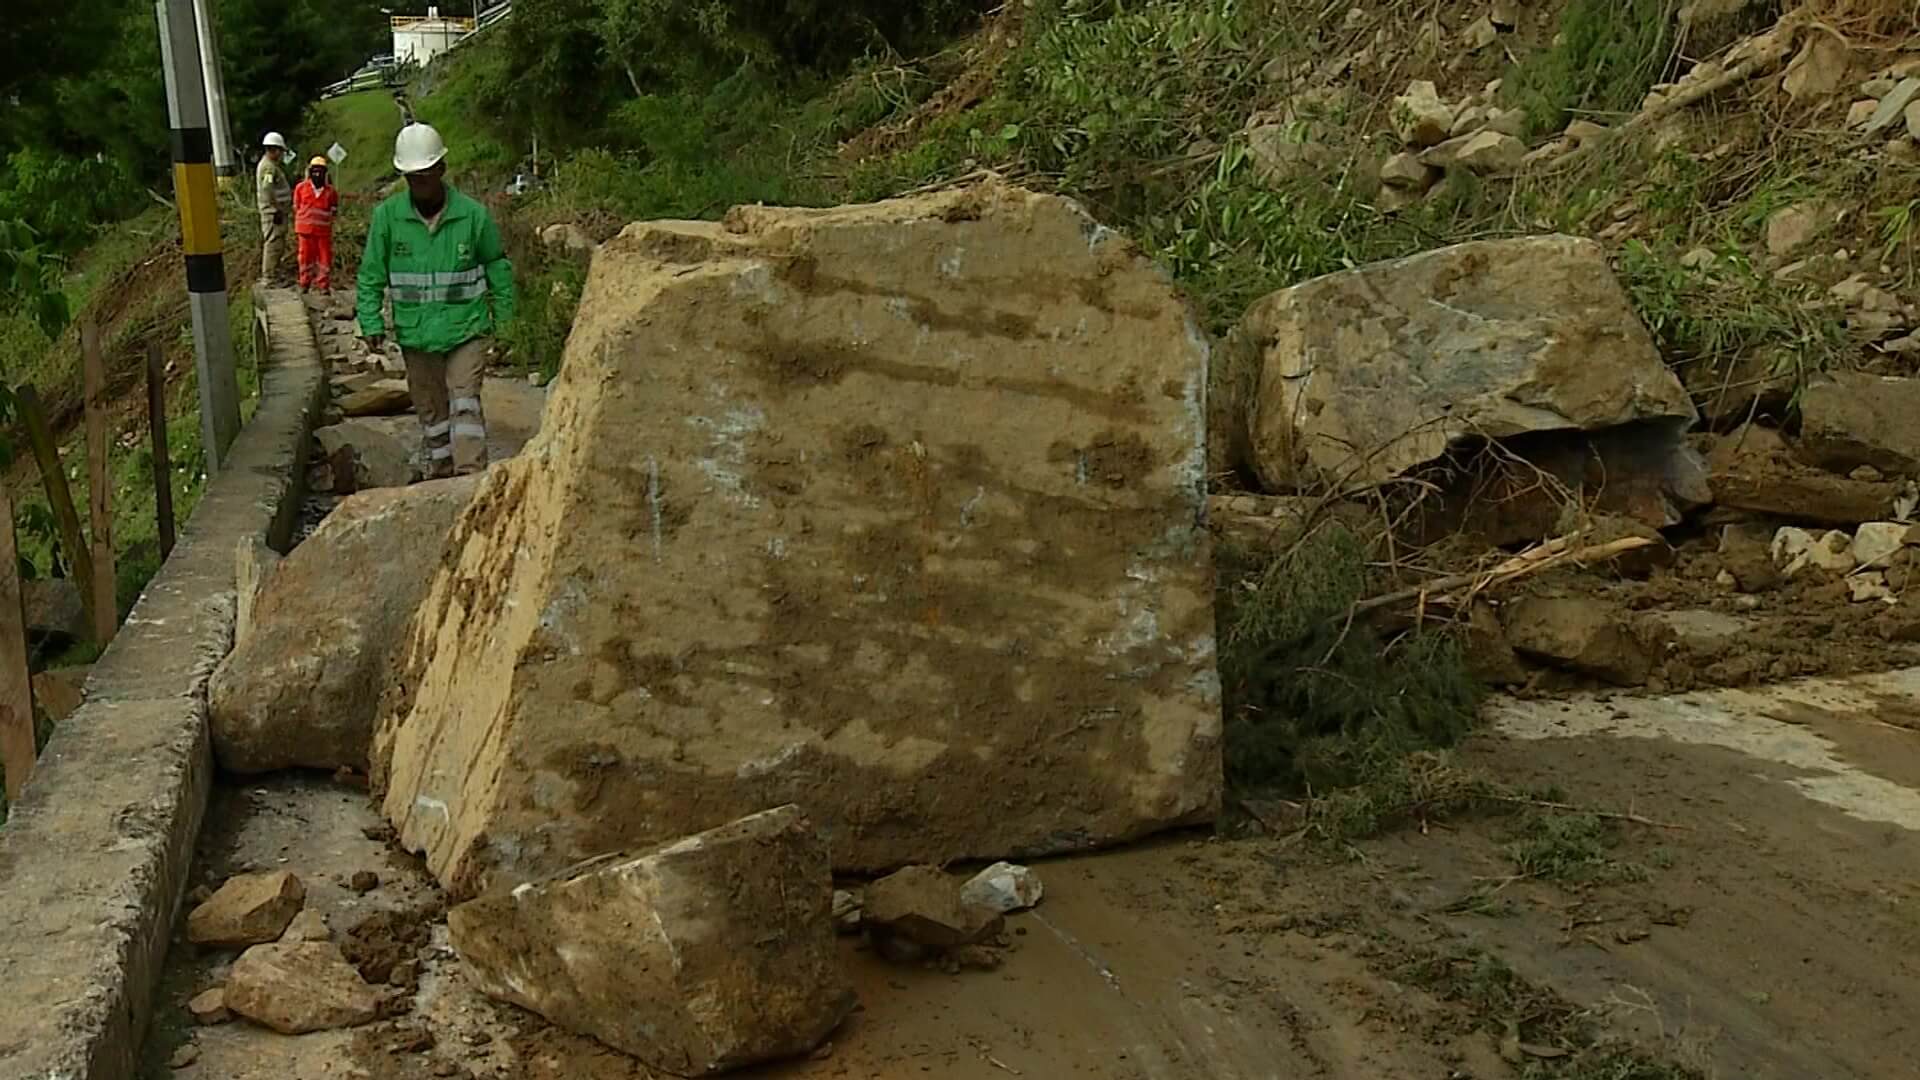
<point x="1570" y="848"/>
<point x="1607" y="55"/>
<point x="364" y="123"/>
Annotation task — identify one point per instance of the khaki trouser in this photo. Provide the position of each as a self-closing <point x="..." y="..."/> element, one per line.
<point x="446" y="394"/>
<point x="273" y="250"/>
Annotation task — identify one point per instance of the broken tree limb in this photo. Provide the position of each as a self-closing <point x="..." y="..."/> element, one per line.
<point x="1552" y="553"/>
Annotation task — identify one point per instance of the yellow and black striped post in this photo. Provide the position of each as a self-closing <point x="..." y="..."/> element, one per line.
<point x="193" y="188"/>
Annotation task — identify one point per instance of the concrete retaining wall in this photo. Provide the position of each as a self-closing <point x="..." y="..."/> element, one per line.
<point x="95" y="858"/>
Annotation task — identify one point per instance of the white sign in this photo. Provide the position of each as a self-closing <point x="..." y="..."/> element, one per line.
<point x="338" y="154"/>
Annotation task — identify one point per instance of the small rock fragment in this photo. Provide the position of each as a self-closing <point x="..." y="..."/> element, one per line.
<point x="309" y="925"/>
<point x="1861" y="113"/>
<point x="1420" y="118"/>
<point x="364" y="881"/>
<point x="923" y="904"/>
<point x="1481" y="33"/>
<point x="1866" y="588"/>
<point x="1407" y="172"/>
<point x="250" y="909"/>
<point x="184" y="1055"/>
<point x="1003" y="887"/>
<point x="1582" y="132"/>
<point x="1484" y="152"/>
<point x="1580" y="633"/>
<point x="210" y="1007"/>
<point x="1876" y="542"/>
<point x="1831" y="553"/>
<point x="846" y="911"/>
<point x="1793" y="227"/>
<point x="387" y="397"/>
<point x="1819" y="70"/>
<point x="301" y="987"/>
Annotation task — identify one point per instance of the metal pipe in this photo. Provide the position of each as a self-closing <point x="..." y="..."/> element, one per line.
<point x="193" y="187"/>
<point x="225" y="161"/>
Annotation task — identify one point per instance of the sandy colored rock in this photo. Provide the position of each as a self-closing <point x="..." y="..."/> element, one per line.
<point x="1794" y="227"/>
<point x="1875" y="543"/>
<point x="302" y="688"/>
<point x="1408" y="172"/>
<point x="247" y="910"/>
<point x="366" y="453"/>
<point x="834" y="508"/>
<point x="210" y="1007"/>
<point x="309" y="925"/>
<point x="1362" y="375"/>
<point x="253" y="564"/>
<point x="924" y="905"/>
<point x="300" y="987"/>
<point x="1579" y="633"/>
<point x="1913" y="120"/>
<point x="1704" y="635"/>
<point x="568" y="240"/>
<point x="707" y="954"/>
<point x="1819" y="69"/>
<point x="1486" y="152"/>
<point x="1850" y="419"/>
<point x="1003" y="887"/>
<point x="384" y="398"/>
<point x="1828" y="555"/>
<point x="1420" y="118"/>
<point x="59" y="691"/>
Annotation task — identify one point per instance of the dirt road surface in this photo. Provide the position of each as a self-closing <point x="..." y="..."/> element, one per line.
<point x="1768" y="927"/>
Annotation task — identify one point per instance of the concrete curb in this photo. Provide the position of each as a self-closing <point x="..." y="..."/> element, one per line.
<point x="94" y="861"/>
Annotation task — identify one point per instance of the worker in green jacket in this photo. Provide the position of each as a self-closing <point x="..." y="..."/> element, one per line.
<point x="437" y="254"/>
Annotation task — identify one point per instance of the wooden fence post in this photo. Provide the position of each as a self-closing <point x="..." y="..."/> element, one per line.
<point x="17" y="747"/>
<point x="162" y="465"/>
<point x="53" y="477"/>
<point x="105" y="608"/>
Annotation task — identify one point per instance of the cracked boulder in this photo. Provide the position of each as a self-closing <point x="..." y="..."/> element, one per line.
<point x="1355" y="378"/>
<point x="710" y="953"/>
<point x="895" y="512"/>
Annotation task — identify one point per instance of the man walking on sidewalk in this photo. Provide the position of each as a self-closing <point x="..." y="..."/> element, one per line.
<point x="273" y="197"/>
<point x="439" y="256"/>
<point x="314" y="203"/>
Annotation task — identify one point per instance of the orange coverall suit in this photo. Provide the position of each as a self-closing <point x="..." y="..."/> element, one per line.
<point x="313" y="209"/>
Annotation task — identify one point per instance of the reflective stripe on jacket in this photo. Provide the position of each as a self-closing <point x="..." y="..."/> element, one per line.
<point x="449" y="284"/>
<point x="313" y="207"/>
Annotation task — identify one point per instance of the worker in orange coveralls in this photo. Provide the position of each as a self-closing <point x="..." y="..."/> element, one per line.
<point x="314" y="203"/>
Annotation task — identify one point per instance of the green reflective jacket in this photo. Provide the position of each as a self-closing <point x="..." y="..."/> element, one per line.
<point x="450" y="284"/>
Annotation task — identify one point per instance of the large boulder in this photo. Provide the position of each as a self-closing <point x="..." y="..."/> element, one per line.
<point x="892" y="511"/>
<point x="367" y="453"/>
<point x="302" y="686"/>
<point x="710" y="953"/>
<point x="1351" y="379"/>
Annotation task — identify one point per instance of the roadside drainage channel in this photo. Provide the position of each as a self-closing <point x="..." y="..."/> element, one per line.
<point x="95" y="858"/>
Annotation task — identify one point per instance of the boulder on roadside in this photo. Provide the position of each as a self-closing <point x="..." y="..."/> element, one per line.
<point x="383" y="398"/>
<point x="924" y="905"/>
<point x="300" y="987"/>
<point x="249" y="909"/>
<point x="1358" y="376"/>
<point x="253" y="563"/>
<point x="925" y="504"/>
<point x="1582" y="634"/>
<point x="709" y="953"/>
<point x="364" y="454"/>
<point x="1850" y="419"/>
<point x="302" y="687"/>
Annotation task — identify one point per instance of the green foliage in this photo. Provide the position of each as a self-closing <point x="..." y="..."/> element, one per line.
<point x="1317" y="699"/>
<point x="1608" y="54"/>
<point x="30" y="276"/>
<point x="1569" y="847"/>
<point x="549" y="297"/>
<point x="363" y="123"/>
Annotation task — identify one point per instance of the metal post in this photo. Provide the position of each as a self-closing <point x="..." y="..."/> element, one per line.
<point x="193" y="187"/>
<point x="225" y="162"/>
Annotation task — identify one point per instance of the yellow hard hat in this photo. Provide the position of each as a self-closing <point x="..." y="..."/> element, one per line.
<point x="320" y="162"/>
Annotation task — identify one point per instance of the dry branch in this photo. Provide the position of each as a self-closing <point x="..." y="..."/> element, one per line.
<point x="1552" y="553"/>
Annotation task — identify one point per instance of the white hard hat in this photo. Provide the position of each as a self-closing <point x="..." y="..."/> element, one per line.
<point x="274" y="138"/>
<point x="418" y="147"/>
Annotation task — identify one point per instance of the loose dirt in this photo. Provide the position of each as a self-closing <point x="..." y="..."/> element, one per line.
<point x="1765" y="930"/>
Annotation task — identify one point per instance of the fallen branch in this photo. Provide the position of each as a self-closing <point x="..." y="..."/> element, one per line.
<point x="1552" y="553"/>
<point x="1568" y="808"/>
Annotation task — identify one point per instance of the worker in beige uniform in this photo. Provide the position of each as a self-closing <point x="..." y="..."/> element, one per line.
<point x="273" y="197"/>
